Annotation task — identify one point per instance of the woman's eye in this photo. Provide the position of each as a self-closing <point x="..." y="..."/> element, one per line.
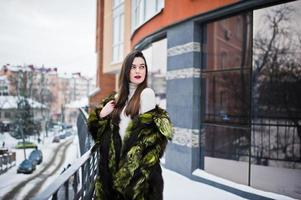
<point x="141" y="67"/>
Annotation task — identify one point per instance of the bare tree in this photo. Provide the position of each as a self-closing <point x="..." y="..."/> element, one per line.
<point x="277" y="75"/>
<point x="24" y="120"/>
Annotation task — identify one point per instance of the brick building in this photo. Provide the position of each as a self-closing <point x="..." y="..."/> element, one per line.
<point x="58" y="90"/>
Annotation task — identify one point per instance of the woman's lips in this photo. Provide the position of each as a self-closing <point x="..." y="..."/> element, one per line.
<point x="137" y="77"/>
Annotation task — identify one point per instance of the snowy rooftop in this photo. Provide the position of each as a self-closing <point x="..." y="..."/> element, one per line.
<point x="11" y="102"/>
<point x="16" y="68"/>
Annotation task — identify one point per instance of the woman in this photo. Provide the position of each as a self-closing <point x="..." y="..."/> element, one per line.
<point x="131" y="133"/>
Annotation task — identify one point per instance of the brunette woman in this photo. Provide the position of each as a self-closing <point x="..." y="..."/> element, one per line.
<point x="131" y="132"/>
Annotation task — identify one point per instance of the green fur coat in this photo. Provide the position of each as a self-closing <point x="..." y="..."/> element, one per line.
<point x="130" y="169"/>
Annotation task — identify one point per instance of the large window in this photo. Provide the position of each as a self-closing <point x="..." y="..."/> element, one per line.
<point x="226" y="88"/>
<point x="254" y="101"/>
<point x="118" y="30"/>
<point x="251" y="97"/>
<point x="143" y="10"/>
<point x="276" y="123"/>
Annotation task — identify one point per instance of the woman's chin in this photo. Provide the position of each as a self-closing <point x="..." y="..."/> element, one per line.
<point x="136" y="82"/>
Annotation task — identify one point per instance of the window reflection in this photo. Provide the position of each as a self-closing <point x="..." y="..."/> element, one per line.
<point x="226" y="88"/>
<point x="229" y="142"/>
<point x="251" y="97"/>
<point x="254" y="99"/>
<point x="227" y="97"/>
<point x="276" y="85"/>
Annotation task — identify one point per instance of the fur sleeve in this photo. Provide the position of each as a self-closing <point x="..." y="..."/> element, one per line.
<point x="96" y="125"/>
<point x="163" y="123"/>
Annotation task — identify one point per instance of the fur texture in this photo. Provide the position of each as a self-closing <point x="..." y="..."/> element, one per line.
<point x="130" y="169"/>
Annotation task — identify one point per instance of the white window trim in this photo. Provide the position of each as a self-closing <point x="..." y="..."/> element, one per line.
<point x="133" y="25"/>
<point x="117" y="12"/>
<point x="118" y="5"/>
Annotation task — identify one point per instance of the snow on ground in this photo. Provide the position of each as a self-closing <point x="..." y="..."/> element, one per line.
<point x="10" y="141"/>
<point x="203" y="174"/>
<point x="178" y="187"/>
<point x="72" y="156"/>
<point x="10" y="179"/>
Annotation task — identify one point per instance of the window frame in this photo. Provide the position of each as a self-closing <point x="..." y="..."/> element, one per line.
<point x="117" y="35"/>
<point x="137" y="18"/>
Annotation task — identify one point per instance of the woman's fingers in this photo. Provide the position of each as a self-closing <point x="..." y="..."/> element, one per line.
<point x="107" y="109"/>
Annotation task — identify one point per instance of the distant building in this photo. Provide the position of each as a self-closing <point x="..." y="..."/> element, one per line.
<point x="3" y="86"/>
<point x="80" y="86"/>
<point x="9" y="110"/>
<point x="73" y="88"/>
<point x="72" y="110"/>
<point x="40" y="83"/>
<point x="58" y="90"/>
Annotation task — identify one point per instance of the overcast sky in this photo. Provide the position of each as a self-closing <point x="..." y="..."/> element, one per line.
<point x="53" y="33"/>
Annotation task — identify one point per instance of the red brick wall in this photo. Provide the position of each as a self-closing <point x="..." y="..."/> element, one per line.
<point x="106" y="82"/>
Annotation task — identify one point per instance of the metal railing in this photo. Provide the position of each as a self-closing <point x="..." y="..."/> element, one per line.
<point x="270" y="139"/>
<point x="80" y="176"/>
<point x="85" y="139"/>
<point x="275" y="139"/>
<point x="77" y="181"/>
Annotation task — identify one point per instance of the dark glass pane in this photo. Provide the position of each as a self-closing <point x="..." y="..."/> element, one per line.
<point x="227" y="97"/>
<point x="226" y="43"/>
<point x="276" y="124"/>
<point x="226" y="68"/>
<point x="276" y="99"/>
<point x="227" y="142"/>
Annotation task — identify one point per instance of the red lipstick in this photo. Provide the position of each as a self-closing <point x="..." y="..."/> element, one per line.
<point x="137" y="77"/>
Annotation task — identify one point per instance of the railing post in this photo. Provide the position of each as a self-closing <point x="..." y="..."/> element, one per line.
<point x="5" y="161"/>
<point x="9" y="160"/>
<point x="54" y="196"/>
<point x="1" y="168"/>
<point x="66" y="189"/>
<point x="75" y="182"/>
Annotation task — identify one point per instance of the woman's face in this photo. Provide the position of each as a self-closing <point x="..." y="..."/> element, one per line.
<point x="138" y="71"/>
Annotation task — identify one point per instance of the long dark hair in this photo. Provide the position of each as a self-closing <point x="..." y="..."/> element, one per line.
<point x="133" y="106"/>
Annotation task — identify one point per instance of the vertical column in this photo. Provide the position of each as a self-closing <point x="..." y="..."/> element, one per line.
<point x="183" y="97"/>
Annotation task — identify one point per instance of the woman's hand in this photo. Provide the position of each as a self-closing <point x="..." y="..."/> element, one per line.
<point x="107" y="109"/>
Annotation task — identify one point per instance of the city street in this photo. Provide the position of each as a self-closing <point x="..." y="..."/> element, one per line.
<point x="56" y="157"/>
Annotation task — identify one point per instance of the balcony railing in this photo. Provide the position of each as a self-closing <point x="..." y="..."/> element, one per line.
<point x="77" y="182"/>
